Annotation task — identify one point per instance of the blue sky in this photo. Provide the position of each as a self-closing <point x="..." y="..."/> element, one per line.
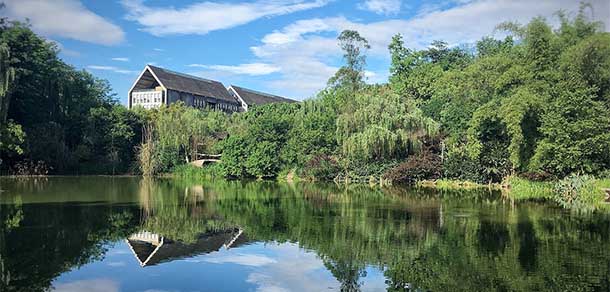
<point x="285" y="47"/>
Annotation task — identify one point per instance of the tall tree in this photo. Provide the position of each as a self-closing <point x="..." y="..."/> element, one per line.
<point x="351" y="75"/>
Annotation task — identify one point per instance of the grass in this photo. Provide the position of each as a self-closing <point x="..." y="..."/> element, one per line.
<point x="580" y="193"/>
<point x="188" y="171"/>
<point x="523" y="189"/>
<point x="447" y="184"/>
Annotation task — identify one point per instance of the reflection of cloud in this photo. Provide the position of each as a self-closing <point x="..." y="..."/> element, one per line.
<point x="94" y="285"/>
<point x="294" y="269"/>
<point x="265" y="282"/>
<point x="252" y="260"/>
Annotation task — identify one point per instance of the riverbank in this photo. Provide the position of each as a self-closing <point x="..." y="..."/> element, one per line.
<point x="576" y="192"/>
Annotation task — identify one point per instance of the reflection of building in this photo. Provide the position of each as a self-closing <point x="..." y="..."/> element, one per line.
<point x="151" y="248"/>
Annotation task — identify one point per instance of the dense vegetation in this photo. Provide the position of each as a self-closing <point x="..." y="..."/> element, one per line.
<point x="54" y="118"/>
<point x="535" y="103"/>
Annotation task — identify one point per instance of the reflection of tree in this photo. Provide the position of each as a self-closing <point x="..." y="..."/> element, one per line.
<point x="55" y="237"/>
<point x="178" y="211"/>
<point x="473" y="243"/>
<point x="348" y="272"/>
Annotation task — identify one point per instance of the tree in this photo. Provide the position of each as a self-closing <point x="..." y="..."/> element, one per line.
<point x="351" y="75"/>
<point x="382" y="125"/>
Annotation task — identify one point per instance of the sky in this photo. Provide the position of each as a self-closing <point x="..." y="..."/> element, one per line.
<point x="284" y="47"/>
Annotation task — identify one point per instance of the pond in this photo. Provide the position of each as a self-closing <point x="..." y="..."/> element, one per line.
<point x="131" y="234"/>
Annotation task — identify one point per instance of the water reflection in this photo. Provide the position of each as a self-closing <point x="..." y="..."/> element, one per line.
<point x="63" y="232"/>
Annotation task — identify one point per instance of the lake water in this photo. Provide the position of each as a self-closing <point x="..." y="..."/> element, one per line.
<point x="130" y="234"/>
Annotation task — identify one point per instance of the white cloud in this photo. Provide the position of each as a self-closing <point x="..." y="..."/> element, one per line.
<point x="309" y="274"/>
<point x="64" y="18"/>
<point x="93" y="285"/>
<point x="381" y="6"/>
<point x="253" y="69"/>
<point x="252" y="260"/>
<point x="204" y="17"/>
<point x="120" y="59"/>
<point x="116" y="264"/>
<point x="158" y="50"/>
<point x="113" y="69"/>
<point x="307" y="49"/>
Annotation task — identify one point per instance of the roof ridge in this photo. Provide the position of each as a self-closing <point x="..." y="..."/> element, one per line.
<point x="260" y="92"/>
<point x="184" y="74"/>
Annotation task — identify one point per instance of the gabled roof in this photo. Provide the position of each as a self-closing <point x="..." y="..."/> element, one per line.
<point x="191" y="84"/>
<point x="252" y="97"/>
<point x="166" y="250"/>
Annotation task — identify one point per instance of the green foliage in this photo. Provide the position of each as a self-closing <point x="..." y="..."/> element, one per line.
<point x="381" y="125"/>
<point x="262" y="160"/>
<point x="536" y="104"/>
<point x="53" y="110"/>
<point x="258" y="142"/>
<point x="351" y="75"/>
<point x="577" y="192"/>
<point x="526" y="189"/>
<point x="322" y="167"/>
<point x="11" y="138"/>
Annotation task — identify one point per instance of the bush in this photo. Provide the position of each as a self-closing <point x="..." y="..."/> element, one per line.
<point x="263" y="161"/>
<point x="537" y="176"/>
<point x="416" y="168"/>
<point x="459" y="166"/>
<point x="233" y="157"/>
<point x="577" y="192"/>
<point x="322" y="167"/>
<point x="29" y="168"/>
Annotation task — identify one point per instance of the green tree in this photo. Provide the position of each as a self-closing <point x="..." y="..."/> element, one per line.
<point x="351" y="75"/>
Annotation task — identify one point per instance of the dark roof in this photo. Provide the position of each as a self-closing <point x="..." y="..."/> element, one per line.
<point x="191" y="84"/>
<point x="252" y="97"/>
<point x="174" y="250"/>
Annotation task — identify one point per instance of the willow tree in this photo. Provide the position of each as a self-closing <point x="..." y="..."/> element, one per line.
<point x="382" y="125"/>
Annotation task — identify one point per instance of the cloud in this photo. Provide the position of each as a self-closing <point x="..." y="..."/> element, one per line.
<point x="283" y="274"/>
<point x="251" y="260"/>
<point x="120" y="59"/>
<point x="203" y="17"/>
<point x="113" y="69"/>
<point x="307" y="50"/>
<point x="93" y="285"/>
<point x="116" y="264"/>
<point x="386" y="7"/>
<point x="253" y="69"/>
<point x="158" y="50"/>
<point x="64" y="18"/>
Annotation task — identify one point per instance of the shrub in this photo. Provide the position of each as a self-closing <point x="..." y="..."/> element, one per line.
<point x="577" y="192"/>
<point x="458" y="165"/>
<point x="28" y="168"/>
<point x="263" y="160"/>
<point x="233" y="157"/>
<point x="416" y="168"/>
<point x="538" y="176"/>
<point x="322" y="167"/>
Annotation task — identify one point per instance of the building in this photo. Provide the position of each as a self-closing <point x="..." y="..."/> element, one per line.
<point x="157" y="86"/>
<point x="249" y="98"/>
<point x="152" y="249"/>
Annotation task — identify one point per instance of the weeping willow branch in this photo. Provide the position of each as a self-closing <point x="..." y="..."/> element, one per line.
<point x="382" y="125"/>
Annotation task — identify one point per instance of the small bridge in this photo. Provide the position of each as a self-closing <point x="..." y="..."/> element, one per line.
<point x="203" y="159"/>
